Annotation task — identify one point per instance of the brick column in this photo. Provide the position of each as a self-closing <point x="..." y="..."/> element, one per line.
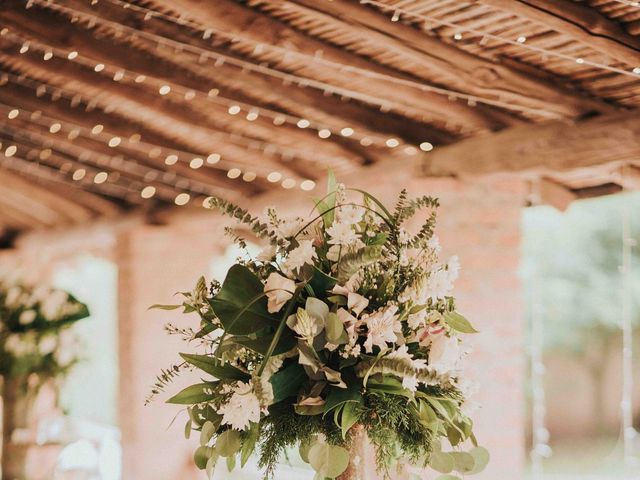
<point x="155" y="263"/>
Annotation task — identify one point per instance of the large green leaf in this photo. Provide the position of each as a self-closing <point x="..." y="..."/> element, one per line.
<point x="212" y="366"/>
<point x="249" y="443"/>
<point x="339" y="396"/>
<point x="481" y="459"/>
<point x="319" y="281"/>
<point x="328" y="460"/>
<point x="349" y="417"/>
<point x="459" y="323"/>
<point x="464" y="462"/>
<point x="200" y="392"/>
<point x="241" y="304"/>
<point x="228" y="443"/>
<point x="286" y="383"/>
<point x="202" y="456"/>
<point x="441" y="462"/>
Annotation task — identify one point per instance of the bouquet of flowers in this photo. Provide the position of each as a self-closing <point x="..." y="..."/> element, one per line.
<point x="343" y="324"/>
<point x="33" y="330"/>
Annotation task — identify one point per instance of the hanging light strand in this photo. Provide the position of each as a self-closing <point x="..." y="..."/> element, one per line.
<point x="234" y="107"/>
<point x="450" y="94"/>
<point x="518" y="42"/>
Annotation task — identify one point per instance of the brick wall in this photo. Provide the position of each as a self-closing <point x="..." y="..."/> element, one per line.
<point x="478" y="221"/>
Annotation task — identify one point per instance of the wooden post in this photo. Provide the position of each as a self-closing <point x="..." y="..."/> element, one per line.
<point x="17" y="411"/>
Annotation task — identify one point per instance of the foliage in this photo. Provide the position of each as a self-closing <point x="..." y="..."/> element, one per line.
<point x="35" y="341"/>
<point x="344" y="321"/>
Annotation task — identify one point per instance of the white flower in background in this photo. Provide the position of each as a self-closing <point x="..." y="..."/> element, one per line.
<point x="341" y="234"/>
<point x="27" y="317"/>
<point x="382" y="327"/>
<point x="243" y="407"/>
<point x="279" y="291"/>
<point x="47" y="344"/>
<point x="402" y="353"/>
<point x="444" y="353"/>
<point x="66" y="352"/>
<point x="267" y="254"/>
<point x="469" y="389"/>
<point x="303" y="254"/>
<point x="52" y="305"/>
<point x="13" y="296"/>
<point x="349" y="214"/>
<point x="453" y="268"/>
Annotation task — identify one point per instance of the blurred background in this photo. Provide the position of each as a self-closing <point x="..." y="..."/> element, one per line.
<point x="119" y="119"/>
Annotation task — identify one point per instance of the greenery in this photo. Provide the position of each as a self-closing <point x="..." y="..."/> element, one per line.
<point x="344" y="322"/>
<point x="35" y="342"/>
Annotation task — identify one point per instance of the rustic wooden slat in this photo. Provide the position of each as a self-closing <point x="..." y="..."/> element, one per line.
<point x="547" y="147"/>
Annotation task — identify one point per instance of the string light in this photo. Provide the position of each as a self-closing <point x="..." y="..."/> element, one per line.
<point x="154" y="150"/>
<point x="488" y="35"/>
<point x="274" y="177"/>
<point x="182" y="199"/>
<point x="287" y="53"/>
<point x="148" y="192"/>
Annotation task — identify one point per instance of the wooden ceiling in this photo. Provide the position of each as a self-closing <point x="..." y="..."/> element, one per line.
<point x="104" y="102"/>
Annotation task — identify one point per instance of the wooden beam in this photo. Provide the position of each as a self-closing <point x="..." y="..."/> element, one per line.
<point x="579" y="21"/>
<point x="428" y="57"/>
<point x="548" y="147"/>
<point x="555" y="194"/>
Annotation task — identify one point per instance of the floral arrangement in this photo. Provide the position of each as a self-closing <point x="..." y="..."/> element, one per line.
<point x="343" y="323"/>
<point x="34" y="335"/>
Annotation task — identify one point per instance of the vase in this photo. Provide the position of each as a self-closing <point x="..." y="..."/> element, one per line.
<point x="18" y="402"/>
<point x="362" y="457"/>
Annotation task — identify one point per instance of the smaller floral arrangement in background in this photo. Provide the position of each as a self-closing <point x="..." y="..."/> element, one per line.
<point x="345" y="323"/>
<point x="35" y="340"/>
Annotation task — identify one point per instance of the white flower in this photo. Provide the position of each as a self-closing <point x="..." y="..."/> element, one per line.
<point x="402" y="353"/>
<point x="440" y="283"/>
<point x="27" y="317"/>
<point x="51" y="306"/>
<point x="349" y="214"/>
<point x="382" y="327"/>
<point x="13" y="295"/>
<point x="303" y="254"/>
<point x="289" y="228"/>
<point x="350" y="323"/>
<point x="410" y="383"/>
<point x="267" y="254"/>
<point x="355" y="302"/>
<point x="47" y="344"/>
<point x="434" y="244"/>
<point x="309" y="321"/>
<point x="341" y="234"/>
<point x="279" y="291"/>
<point x="242" y="408"/>
<point x="444" y="353"/>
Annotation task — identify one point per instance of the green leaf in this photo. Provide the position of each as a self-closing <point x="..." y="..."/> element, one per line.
<point x="210" y="468"/>
<point x="210" y="365"/>
<point x="353" y="262"/>
<point x="200" y="392"/>
<point x="339" y="396"/>
<point x="308" y="410"/>
<point x="228" y="443"/>
<point x="389" y="385"/>
<point x="349" y="417"/>
<point x="158" y="306"/>
<point x="378" y="239"/>
<point x="320" y="281"/>
<point x="330" y="199"/>
<point x="261" y="345"/>
<point x="286" y="382"/>
<point x="459" y="323"/>
<point x="207" y="431"/>
<point x="200" y="414"/>
<point x="463" y="461"/>
<point x="205" y="330"/>
<point x="231" y="463"/>
<point x="481" y="459"/>
<point x="202" y="456"/>
<point x="334" y="329"/>
<point x="303" y="450"/>
<point x="441" y="462"/>
<point x="187" y="429"/>
<point x="241" y="304"/>
<point x="249" y="443"/>
<point x="427" y="416"/>
<point x="328" y="460"/>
